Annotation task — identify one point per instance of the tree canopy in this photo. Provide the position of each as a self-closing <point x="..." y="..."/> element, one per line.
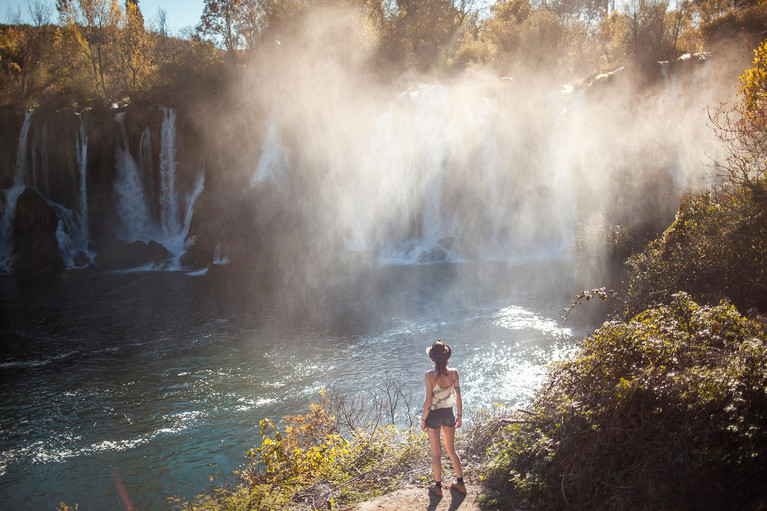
<point x="106" y="51"/>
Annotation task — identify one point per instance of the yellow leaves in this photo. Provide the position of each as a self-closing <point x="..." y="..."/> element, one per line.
<point x="754" y="84"/>
<point x="309" y="449"/>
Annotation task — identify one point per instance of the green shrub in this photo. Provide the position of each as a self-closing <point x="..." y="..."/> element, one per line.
<point x="715" y="249"/>
<point x="668" y="411"/>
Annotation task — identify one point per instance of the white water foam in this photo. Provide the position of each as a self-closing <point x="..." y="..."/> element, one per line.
<point x="54" y="450"/>
<point x="23" y="364"/>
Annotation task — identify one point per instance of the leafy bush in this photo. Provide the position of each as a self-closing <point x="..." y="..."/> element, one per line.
<point x="716" y="248"/>
<point x="668" y="411"/>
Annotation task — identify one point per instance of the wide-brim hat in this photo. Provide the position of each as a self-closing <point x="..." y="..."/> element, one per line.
<point x="438" y="351"/>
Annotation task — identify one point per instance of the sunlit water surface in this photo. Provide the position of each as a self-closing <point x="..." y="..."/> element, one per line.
<point x="156" y="380"/>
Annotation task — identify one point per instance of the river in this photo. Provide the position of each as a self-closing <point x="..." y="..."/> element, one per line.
<point x="155" y="380"/>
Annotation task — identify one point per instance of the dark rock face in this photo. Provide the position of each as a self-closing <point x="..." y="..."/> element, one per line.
<point x="119" y="255"/>
<point x="36" y="248"/>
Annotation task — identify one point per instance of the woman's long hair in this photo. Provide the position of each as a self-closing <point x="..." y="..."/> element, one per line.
<point x="440" y="367"/>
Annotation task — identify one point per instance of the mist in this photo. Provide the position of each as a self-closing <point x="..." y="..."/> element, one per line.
<point x="348" y="167"/>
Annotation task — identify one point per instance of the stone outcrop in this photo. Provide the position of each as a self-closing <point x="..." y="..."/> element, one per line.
<point x="36" y="248"/>
<point x="119" y="255"/>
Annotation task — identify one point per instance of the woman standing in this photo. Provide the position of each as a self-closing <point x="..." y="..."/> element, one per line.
<point x="443" y="391"/>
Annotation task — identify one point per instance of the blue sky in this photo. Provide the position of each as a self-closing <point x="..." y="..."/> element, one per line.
<point x="178" y="13"/>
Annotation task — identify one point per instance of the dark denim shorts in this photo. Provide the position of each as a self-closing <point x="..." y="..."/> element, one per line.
<point x="440" y="417"/>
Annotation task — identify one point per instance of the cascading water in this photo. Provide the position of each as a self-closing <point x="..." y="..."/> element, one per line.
<point x="395" y="207"/>
<point x="431" y="160"/>
<point x="181" y="243"/>
<point x="135" y="191"/>
<point x="274" y="158"/>
<point x="147" y="171"/>
<point x="11" y="195"/>
<point x="8" y="202"/>
<point x="73" y="232"/>
<point x="168" y="199"/>
<point x="20" y="174"/>
<point x="384" y="157"/>
<point x="445" y="179"/>
<point x="132" y="208"/>
<point x="426" y="167"/>
<point x="174" y="228"/>
<point x="492" y="167"/>
<point x="82" y="164"/>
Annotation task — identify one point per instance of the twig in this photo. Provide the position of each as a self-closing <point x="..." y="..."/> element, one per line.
<point x="587" y="295"/>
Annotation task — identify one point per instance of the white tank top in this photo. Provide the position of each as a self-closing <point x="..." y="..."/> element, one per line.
<point x="442" y="398"/>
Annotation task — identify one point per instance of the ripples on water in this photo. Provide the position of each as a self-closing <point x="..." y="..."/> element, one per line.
<point x="158" y="379"/>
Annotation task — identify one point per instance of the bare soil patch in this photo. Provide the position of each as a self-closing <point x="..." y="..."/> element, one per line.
<point x="419" y="498"/>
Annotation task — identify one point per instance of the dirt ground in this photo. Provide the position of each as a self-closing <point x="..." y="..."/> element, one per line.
<point x="419" y="498"/>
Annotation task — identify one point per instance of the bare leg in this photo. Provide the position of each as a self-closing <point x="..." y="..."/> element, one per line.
<point x="436" y="453"/>
<point x="450" y="448"/>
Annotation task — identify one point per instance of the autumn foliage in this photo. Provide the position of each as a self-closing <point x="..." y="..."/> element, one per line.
<point x="107" y="51"/>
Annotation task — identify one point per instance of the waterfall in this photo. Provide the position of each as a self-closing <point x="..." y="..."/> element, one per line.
<point x="132" y="208"/>
<point x="8" y="202"/>
<point x="396" y="207"/>
<point x="73" y="233"/>
<point x="169" y="215"/>
<point x="33" y="167"/>
<point x="145" y="162"/>
<point x="677" y="91"/>
<point x="174" y="228"/>
<point x="82" y="164"/>
<point x="273" y="161"/>
<point x="20" y="174"/>
<point x="450" y="174"/>
<point x="73" y="245"/>
<point x="218" y="257"/>
<point x="134" y="186"/>
<point x="178" y="244"/>
<point x="10" y="197"/>
<point x="560" y="235"/>
<point x="492" y="168"/>
<point x="383" y="165"/>
<point x="430" y="166"/>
